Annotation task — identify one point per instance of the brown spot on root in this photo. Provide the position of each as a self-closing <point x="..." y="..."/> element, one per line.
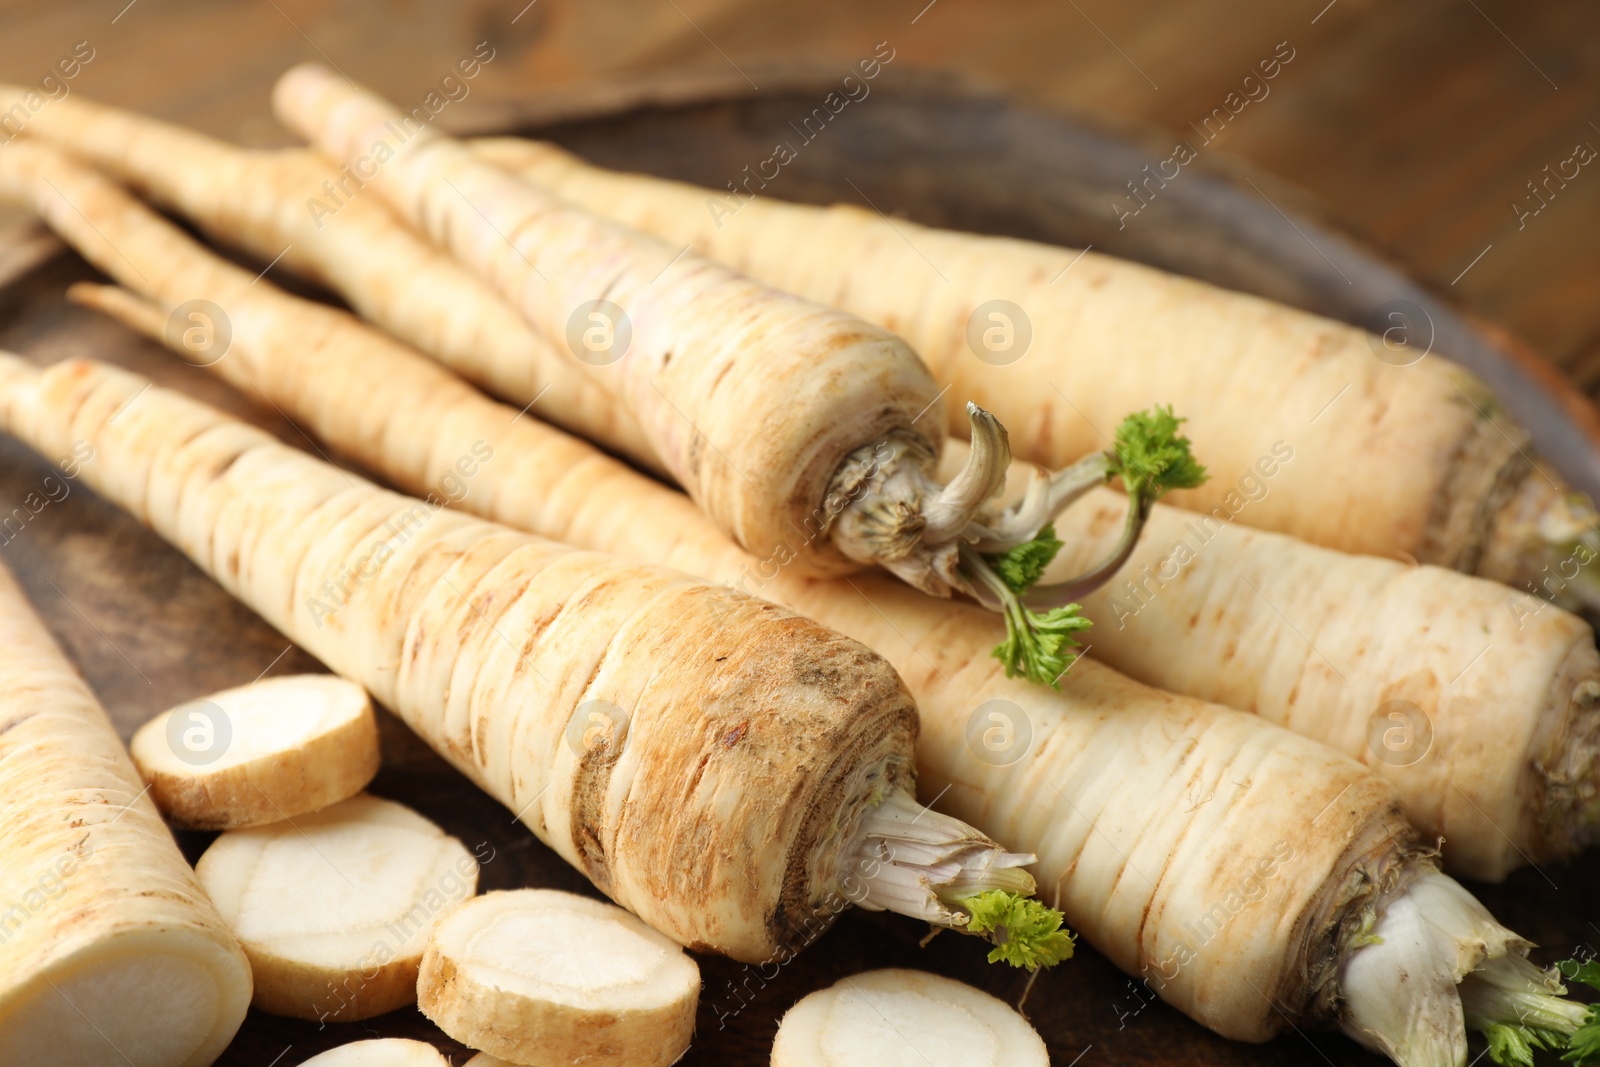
<point x="836" y="670"/>
<point x="699" y="771"/>
<point x="829" y="677"/>
<point x="480" y="744"/>
<point x="753" y="675"/>
<point x="589" y="786"/>
<point x="588" y="814"/>
<point x="1420" y="686"/>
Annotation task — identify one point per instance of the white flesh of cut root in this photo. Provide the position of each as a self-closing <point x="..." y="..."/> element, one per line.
<point x="110" y="952"/>
<point x="546" y="979"/>
<point x="900" y="1018"/>
<point x="334" y="908"/>
<point x="387" y="1052"/>
<point x="260" y="753"/>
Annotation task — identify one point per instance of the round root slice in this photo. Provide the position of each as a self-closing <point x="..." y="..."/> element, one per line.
<point x="259" y="753"/>
<point x="386" y="1052"/>
<point x="161" y="995"/>
<point x="545" y="979"/>
<point x="899" y="1018"/>
<point x="334" y="908"/>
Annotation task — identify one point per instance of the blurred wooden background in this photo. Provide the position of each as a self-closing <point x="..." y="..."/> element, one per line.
<point x="1420" y="123"/>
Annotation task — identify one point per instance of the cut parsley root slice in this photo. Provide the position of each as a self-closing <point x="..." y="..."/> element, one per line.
<point x="334" y="908"/>
<point x="259" y="753"/>
<point x="385" y="1052"/>
<point x="901" y="1018"/>
<point x="545" y="978"/>
<point x="110" y="953"/>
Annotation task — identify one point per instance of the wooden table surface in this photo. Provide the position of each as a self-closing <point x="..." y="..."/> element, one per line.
<point x="1420" y="123"/>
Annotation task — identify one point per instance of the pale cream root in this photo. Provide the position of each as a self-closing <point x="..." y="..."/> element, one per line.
<point x="268" y="203"/>
<point x="762" y="405"/>
<point x="334" y="908"/>
<point x="259" y="753"/>
<point x="108" y="945"/>
<point x="1479" y="704"/>
<point x="1383" y="450"/>
<point x="558" y="680"/>
<point x="546" y="979"/>
<point x="901" y="1018"/>
<point x="384" y="1052"/>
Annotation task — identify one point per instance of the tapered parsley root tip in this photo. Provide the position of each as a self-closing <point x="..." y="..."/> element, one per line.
<point x="1024" y="931"/>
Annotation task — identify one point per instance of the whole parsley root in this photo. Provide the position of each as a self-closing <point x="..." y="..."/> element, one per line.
<point x="794" y="425"/>
<point x="1355" y="652"/>
<point x="1397" y="452"/>
<point x="621" y="668"/>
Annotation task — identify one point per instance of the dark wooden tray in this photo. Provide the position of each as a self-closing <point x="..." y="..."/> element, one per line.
<point x="149" y="630"/>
